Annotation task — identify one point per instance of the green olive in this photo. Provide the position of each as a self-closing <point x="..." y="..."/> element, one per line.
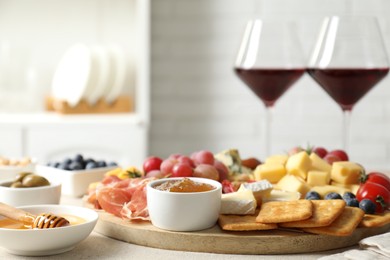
<point x="16" y="184"/>
<point x="33" y="180"/>
<point x="20" y="176"/>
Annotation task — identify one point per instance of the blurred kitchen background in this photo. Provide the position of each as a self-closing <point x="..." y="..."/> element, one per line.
<point x="187" y="98"/>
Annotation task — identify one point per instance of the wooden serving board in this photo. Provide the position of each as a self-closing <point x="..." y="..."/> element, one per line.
<point x="215" y="240"/>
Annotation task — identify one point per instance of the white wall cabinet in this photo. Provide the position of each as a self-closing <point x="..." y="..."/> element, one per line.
<point x="40" y="32"/>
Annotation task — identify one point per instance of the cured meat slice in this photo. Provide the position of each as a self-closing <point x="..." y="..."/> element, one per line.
<point x="112" y="199"/>
<point x="111" y="179"/>
<point x="137" y="208"/>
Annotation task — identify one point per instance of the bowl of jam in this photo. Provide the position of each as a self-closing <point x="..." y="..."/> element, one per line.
<point x="184" y="204"/>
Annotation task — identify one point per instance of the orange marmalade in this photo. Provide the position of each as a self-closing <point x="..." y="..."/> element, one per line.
<point x="184" y="185"/>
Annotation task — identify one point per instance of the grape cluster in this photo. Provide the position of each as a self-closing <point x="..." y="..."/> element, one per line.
<point x="78" y="162"/>
<point x="199" y="164"/>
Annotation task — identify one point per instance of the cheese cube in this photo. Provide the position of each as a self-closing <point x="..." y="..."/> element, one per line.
<point x="319" y="164"/>
<point x="298" y="164"/>
<point x="318" y="178"/>
<point x="323" y="190"/>
<point x="352" y="187"/>
<point x="238" y="203"/>
<point x="271" y="172"/>
<point x="277" y="159"/>
<point x="346" y="172"/>
<point x="293" y="183"/>
<point x="282" y="195"/>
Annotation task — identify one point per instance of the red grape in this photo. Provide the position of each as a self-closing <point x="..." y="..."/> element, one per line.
<point x="222" y="170"/>
<point x="204" y="157"/>
<point x="155" y="173"/>
<point x="182" y="170"/>
<point x="174" y="156"/>
<point x="320" y="151"/>
<point x="186" y="160"/>
<point x="331" y="158"/>
<point x="295" y="150"/>
<point x="152" y="163"/>
<point x="341" y="154"/>
<point x="167" y="165"/>
<point x="206" y="171"/>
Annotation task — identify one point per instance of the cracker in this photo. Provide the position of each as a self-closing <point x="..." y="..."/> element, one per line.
<point x="377" y="220"/>
<point x="344" y="225"/>
<point x="285" y="211"/>
<point x="324" y="213"/>
<point x="242" y="223"/>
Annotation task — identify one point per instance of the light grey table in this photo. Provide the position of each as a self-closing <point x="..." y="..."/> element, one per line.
<point x="97" y="246"/>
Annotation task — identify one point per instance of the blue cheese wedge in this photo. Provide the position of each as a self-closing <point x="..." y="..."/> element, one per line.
<point x="231" y="158"/>
<point x="238" y="203"/>
<point x="259" y="189"/>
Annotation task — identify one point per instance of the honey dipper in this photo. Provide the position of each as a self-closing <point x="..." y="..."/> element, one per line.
<point x="42" y="221"/>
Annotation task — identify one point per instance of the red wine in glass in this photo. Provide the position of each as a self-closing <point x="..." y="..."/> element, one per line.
<point x="269" y="84"/>
<point x="348" y="85"/>
<point x="348" y="60"/>
<point x="269" y="62"/>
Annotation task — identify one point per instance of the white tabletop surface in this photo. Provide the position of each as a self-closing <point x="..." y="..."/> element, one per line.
<point x="97" y="246"/>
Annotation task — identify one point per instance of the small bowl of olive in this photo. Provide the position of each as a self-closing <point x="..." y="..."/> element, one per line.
<point x="29" y="189"/>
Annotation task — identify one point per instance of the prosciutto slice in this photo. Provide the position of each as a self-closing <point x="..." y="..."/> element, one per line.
<point x="122" y="198"/>
<point x="112" y="199"/>
<point x="137" y="208"/>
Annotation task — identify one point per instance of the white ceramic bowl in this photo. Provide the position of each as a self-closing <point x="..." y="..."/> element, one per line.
<point x="39" y="242"/>
<point x="74" y="183"/>
<point x="9" y="172"/>
<point x="49" y="194"/>
<point x="179" y="211"/>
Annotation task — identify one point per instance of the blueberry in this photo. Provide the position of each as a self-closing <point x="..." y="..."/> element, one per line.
<point x="312" y="195"/>
<point x="101" y="164"/>
<point x="67" y="161"/>
<point x="91" y="165"/>
<point x="86" y="161"/>
<point x="111" y="164"/>
<point x="352" y="202"/>
<point x="49" y="164"/>
<point x="74" y="166"/>
<point x="333" y="196"/>
<point x="348" y="195"/>
<point x="64" y="166"/>
<point x="78" y="158"/>
<point x="368" y="206"/>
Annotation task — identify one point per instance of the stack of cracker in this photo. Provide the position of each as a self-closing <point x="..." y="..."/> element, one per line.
<point x="326" y="217"/>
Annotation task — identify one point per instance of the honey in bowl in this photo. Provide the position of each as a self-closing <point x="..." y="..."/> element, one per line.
<point x="13" y="224"/>
<point x="184" y="185"/>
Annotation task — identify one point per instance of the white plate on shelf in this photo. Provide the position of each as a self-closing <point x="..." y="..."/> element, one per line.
<point x="119" y="68"/>
<point x="72" y="78"/>
<point x="101" y="78"/>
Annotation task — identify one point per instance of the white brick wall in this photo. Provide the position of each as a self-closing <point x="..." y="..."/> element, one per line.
<point x="198" y="102"/>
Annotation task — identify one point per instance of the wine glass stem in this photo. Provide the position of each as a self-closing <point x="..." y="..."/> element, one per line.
<point x="346" y="129"/>
<point x="267" y="132"/>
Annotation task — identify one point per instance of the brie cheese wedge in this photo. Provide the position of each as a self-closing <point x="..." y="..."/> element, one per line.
<point x="238" y="203"/>
<point x="259" y="189"/>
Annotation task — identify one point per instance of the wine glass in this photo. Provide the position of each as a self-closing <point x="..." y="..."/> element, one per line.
<point x="269" y="61"/>
<point x="348" y="60"/>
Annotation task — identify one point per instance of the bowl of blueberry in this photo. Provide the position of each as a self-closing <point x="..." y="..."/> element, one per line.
<point x="75" y="173"/>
